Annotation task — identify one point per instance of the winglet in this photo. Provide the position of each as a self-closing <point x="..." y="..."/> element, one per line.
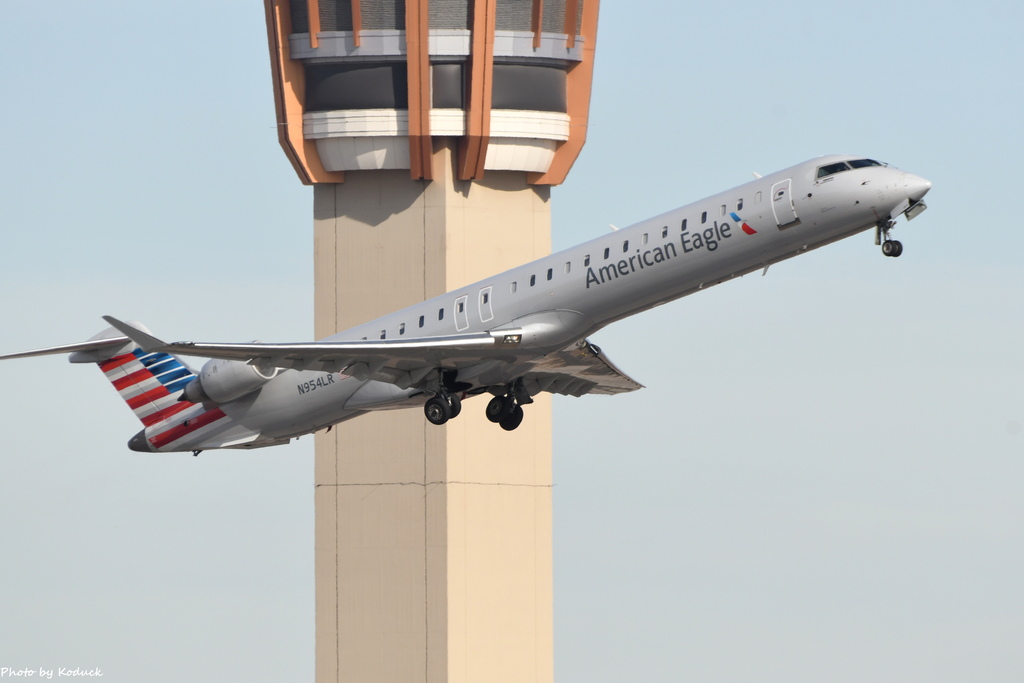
<point x="146" y="342"/>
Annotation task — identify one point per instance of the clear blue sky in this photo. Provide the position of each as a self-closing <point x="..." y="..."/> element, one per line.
<point x="824" y="474"/>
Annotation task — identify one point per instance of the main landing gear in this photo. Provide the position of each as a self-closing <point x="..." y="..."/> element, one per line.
<point x="505" y="410"/>
<point x="889" y="247"/>
<point x="442" y="407"/>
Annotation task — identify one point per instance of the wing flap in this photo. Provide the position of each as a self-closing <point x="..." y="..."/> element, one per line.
<point x="577" y="370"/>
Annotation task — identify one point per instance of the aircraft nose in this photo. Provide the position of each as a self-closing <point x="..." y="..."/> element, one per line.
<point x="916" y="187"/>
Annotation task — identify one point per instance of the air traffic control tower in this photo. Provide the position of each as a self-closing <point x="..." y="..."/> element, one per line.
<point x="431" y="131"/>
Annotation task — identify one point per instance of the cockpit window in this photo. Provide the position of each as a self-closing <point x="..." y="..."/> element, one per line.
<point x="863" y="163"/>
<point x="832" y="168"/>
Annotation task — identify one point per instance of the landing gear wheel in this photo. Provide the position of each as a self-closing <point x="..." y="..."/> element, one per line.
<point x="455" y="403"/>
<point x="513" y="420"/>
<point x="499" y="408"/>
<point x="437" y="410"/>
<point x="890" y="247"/>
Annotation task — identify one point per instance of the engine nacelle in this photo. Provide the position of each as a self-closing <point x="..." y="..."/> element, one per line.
<point x="221" y="381"/>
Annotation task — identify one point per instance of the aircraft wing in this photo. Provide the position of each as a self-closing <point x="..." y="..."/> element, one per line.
<point x="404" y="362"/>
<point x="487" y="359"/>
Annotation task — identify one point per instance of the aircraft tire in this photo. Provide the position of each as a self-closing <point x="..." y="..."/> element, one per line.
<point x="499" y="408"/>
<point x="513" y="420"/>
<point x="455" y="403"/>
<point x="437" y="410"/>
<point x="892" y="248"/>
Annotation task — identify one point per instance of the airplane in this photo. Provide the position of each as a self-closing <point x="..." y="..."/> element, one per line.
<point x="513" y="335"/>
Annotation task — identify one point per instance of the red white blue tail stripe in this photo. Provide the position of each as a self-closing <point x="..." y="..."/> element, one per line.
<point x="150" y="383"/>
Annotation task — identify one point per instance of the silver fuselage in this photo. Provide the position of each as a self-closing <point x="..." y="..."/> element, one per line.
<point x="568" y="295"/>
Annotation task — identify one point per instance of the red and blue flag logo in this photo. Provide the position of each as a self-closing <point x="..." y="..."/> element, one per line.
<point x="743" y="225"/>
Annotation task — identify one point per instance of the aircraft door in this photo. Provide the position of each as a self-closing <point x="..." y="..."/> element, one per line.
<point x="782" y="203"/>
<point x="461" y="314"/>
<point x="486" y="313"/>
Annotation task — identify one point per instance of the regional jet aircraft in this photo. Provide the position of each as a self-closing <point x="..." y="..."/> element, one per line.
<point x="511" y="336"/>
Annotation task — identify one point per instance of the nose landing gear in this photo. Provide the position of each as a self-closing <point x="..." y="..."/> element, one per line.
<point x="890" y="247"/>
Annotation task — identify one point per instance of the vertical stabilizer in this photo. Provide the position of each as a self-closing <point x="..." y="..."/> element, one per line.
<point x="150" y="383"/>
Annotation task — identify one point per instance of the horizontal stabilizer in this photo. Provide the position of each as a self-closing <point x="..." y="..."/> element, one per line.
<point x="110" y="344"/>
<point x="145" y="341"/>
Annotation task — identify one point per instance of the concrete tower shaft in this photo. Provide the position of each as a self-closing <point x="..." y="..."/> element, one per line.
<point x="366" y="84"/>
<point x="431" y="131"/>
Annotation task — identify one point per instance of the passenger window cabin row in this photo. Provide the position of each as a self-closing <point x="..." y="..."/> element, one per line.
<point x="567" y="267"/>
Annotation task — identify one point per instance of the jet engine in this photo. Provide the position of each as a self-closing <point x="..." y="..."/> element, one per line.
<point x="221" y="381"/>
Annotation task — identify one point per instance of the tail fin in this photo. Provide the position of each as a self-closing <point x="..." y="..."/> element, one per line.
<point x="150" y="383"/>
